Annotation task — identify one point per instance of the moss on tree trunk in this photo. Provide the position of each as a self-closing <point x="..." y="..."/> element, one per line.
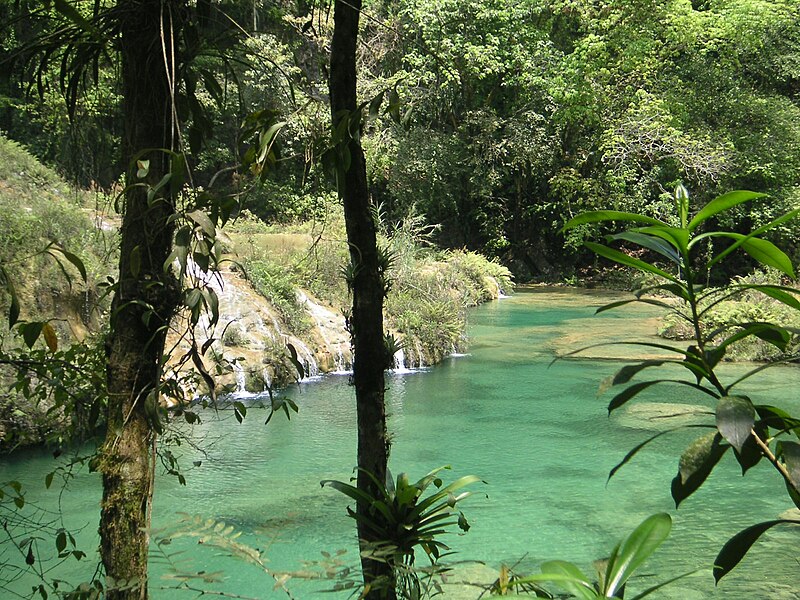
<point x="145" y="299"/>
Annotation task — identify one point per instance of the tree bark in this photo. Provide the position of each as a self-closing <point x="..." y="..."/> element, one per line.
<point x="366" y="323"/>
<point x="145" y="299"/>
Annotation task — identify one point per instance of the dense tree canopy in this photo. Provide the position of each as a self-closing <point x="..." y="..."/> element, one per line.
<point x="508" y="117"/>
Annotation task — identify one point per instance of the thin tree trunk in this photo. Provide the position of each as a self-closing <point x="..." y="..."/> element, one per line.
<point x="144" y="302"/>
<point x="370" y="351"/>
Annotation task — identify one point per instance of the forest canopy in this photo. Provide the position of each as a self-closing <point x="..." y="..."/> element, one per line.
<point x="504" y="120"/>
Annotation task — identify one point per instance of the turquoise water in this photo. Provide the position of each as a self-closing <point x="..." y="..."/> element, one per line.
<point x="537" y="434"/>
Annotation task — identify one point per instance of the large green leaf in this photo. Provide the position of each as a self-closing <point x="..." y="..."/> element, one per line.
<point x="772" y="334"/>
<point x="628" y="261"/>
<point x="599" y="216"/>
<point x="764" y="252"/>
<point x="780" y="293"/>
<point x="735" y="416"/>
<point x="696" y="464"/>
<point x="574" y="581"/>
<point x="721" y="204"/>
<point x="637" y="548"/>
<point x="769" y="226"/>
<point x="633" y="390"/>
<point x="675" y="236"/>
<point x="651" y="242"/>
<point x="735" y="548"/>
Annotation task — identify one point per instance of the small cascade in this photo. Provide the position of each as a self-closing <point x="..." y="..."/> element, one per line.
<point x="241" y="379"/>
<point x="306" y="357"/>
<point x="341" y="364"/>
<point x="500" y="293"/>
<point x="400" y="362"/>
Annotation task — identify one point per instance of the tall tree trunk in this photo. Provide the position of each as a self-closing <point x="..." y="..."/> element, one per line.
<point x="145" y="300"/>
<point x="370" y="358"/>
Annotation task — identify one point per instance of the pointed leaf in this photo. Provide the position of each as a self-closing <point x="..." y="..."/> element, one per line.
<point x="656" y="244"/>
<point x="722" y="203"/>
<point x="31" y="332"/>
<point x="735" y="548"/>
<point x="735" y="416"/>
<point x="201" y="218"/>
<point x="696" y="464"/>
<point x="74" y="260"/>
<point x="574" y="582"/>
<point x="628" y="393"/>
<point x="637" y="548"/>
<point x="599" y="216"/>
<point x="628" y="261"/>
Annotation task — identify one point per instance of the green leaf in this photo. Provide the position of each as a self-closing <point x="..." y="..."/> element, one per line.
<point x="61" y="541"/>
<point x="13" y="310"/>
<point x="764" y="252"/>
<point x="628" y="393"/>
<point x="750" y="454"/>
<point x="599" y="216"/>
<point x="628" y="261"/>
<point x="696" y="464"/>
<point x="721" y="204"/>
<point x="297" y="364"/>
<point x="650" y="242"/>
<point x="637" y="548"/>
<point x="779" y="293"/>
<point x="676" y="237"/>
<point x="791" y="457"/>
<point x="74" y="260"/>
<point x="633" y="390"/>
<point x="31" y="332"/>
<point x="573" y="580"/>
<point x="735" y="416"/>
<point x="375" y="105"/>
<point x="239" y="411"/>
<point x="735" y="548"/>
<point x="776" y="418"/>
<point x="202" y="219"/>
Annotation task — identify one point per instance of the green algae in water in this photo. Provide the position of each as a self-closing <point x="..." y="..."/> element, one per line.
<point x="537" y="434"/>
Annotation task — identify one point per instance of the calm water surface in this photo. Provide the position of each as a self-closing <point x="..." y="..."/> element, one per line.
<point x="537" y="434"/>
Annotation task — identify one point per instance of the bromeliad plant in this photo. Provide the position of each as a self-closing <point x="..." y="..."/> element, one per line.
<point x="754" y="433"/>
<point x="403" y="521"/>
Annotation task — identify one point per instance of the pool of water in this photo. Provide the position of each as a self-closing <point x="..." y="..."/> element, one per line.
<point x="536" y="432"/>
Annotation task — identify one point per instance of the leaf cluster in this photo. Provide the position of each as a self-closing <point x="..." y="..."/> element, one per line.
<point x="753" y="432"/>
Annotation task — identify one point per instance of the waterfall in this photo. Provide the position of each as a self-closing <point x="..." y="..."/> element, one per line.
<point x="400" y="362"/>
<point x="241" y="379"/>
<point x="500" y="293"/>
<point x="341" y="364"/>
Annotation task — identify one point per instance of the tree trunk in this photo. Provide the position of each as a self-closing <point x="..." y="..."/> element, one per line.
<point x="145" y="300"/>
<point x="366" y="323"/>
